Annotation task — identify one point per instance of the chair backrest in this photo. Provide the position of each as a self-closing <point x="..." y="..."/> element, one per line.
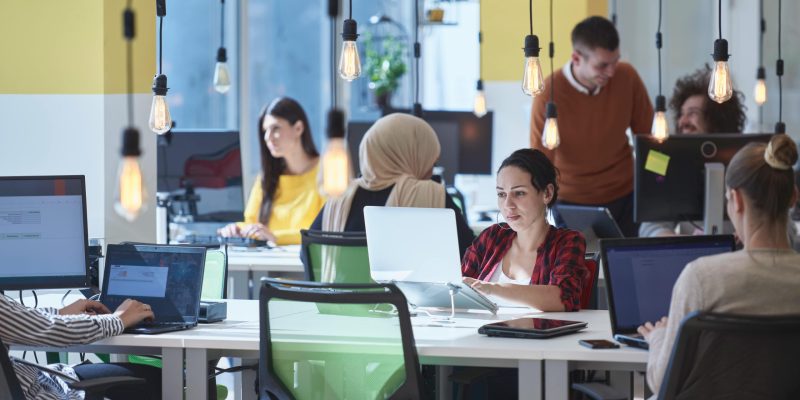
<point x="9" y="384"/>
<point x="215" y="277"/>
<point x="736" y="357"/>
<point x="345" y="252"/>
<point x="458" y="199"/>
<point x="365" y="352"/>
<point x="589" y="289"/>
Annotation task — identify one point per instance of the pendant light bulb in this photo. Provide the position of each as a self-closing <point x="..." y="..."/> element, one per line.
<point x="222" y="77"/>
<point x="160" y="122"/>
<point x="760" y="91"/>
<point x="479" y="106"/>
<point x="349" y="61"/>
<point x="532" y="79"/>
<point x="335" y="159"/>
<point x="130" y="194"/>
<point x="660" y="129"/>
<point x="550" y="137"/>
<point x="720" y="87"/>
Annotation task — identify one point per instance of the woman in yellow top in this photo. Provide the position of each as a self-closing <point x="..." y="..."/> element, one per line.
<point x="285" y="197"/>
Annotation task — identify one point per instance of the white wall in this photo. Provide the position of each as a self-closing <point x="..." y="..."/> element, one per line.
<point x="81" y="135"/>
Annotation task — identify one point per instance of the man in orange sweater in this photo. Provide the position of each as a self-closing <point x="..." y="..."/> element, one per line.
<point x="598" y="99"/>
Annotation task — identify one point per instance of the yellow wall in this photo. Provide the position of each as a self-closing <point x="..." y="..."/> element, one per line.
<point x="504" y="24"/>
<point x="73" y="47"/>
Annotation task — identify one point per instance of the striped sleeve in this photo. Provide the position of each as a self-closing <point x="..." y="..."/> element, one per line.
<point x="28" y="326"/>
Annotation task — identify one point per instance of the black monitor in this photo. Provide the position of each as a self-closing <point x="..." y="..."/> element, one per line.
<point x="208" y="164"/>
<point x="43" y="232"/>
<point x="676" y="193"/>
<point x="465" y="140"/>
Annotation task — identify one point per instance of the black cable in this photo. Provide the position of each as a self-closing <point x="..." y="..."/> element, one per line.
<point x="222" y="24"/>
<point x="762" y="28"/>
<point x="416" y="51"/>
<point x="552" y="54"/>
<point x="160" y="43"/>
<point x="64" y="297"/>
<point x="333" y="58"/>
<point x="530" y="14"/>
<point x="35" y="299"/>
<point x="129" y="34"/>
<point x="614" y="12"/>
<point x="779" y="67"/>
<point x="658" y="45"/>
<point x="719" y="6"/>
<point x="351" y="9"/>
<point x="21" y="300"/>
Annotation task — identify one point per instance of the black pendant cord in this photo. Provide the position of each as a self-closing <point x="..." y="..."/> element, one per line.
<point x="762" y="28"/>
<point x="614" y="12"/>
<point x="333" y="12"/>
<point x="160" y="44"/>
<point x="779" y="68"/>
<point x="658" y="46"/>
<point x="129" y="33"/>
<point x="719" y="8"/>
<point x="552" y="54"/>
<point x="530" y="15"/>
<point x="222" y="23"/>
<point x="417" y="51"/>
<point x="351" y="9"/>
<point x="480" y="45"/>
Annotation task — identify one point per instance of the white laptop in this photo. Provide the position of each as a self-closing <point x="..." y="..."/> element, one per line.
<point x="417" y="250"/>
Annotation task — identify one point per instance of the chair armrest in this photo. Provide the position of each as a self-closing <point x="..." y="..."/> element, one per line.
<point x="100" y="385"/>
<point x="598" y="391"/>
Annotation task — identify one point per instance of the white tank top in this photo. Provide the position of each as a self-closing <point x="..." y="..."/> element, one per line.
<point x="500" y="277"/>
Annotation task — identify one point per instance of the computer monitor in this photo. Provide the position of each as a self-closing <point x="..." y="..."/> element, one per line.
<point x="43" y="232"/>
<point x="669" y="177"/>
<point x="465" y="140"/>
<point x="206" y="163"/>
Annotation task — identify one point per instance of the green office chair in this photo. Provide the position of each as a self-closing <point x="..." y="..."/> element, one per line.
<point x="215" y="277"/>
<point x="306" y="354"/>
<point x="335" y="257"/>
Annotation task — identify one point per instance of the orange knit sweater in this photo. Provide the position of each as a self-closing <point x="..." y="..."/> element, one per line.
<point x="594" y="157"/>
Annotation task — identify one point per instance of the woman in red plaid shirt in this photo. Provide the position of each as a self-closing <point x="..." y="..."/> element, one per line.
<point x="527" y="261"/>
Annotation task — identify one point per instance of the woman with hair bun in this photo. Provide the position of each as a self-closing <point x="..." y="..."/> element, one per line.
<point x="761" y="279"/>
<point x="527" y="261"/>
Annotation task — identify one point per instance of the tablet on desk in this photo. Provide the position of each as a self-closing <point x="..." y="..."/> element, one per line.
<point x="531" y="328"/>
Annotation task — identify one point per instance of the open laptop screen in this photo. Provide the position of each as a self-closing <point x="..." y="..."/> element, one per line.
<point x="169" y="278"/>
<point x="640" y="274"/>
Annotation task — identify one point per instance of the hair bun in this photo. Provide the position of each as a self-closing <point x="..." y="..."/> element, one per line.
<point x="781" y="152"/>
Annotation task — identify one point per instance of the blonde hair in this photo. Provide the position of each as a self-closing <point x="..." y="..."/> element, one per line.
<point x="764" y="173"/>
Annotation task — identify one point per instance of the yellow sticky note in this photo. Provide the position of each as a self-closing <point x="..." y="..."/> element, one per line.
<point x="657" y="162"/>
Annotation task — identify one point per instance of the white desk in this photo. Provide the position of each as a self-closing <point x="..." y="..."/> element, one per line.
<point x="440" y="345"/>
<point x="245" y="266"/>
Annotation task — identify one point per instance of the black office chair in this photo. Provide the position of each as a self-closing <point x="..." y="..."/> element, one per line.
<point x="734" y="357"/>
<point x="458" y="198"/>
<point x="93" y="388"/>
<point x="360" y="352"/>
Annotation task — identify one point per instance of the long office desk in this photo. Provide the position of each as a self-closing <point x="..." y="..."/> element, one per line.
<point x="456" y="344"/>
<point x="246" y="266"/>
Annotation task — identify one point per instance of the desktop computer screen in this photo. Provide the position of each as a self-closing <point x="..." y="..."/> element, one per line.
<point x="43" y="232"/>
<point x="465" y="141"/>
<point x="202" y="170"/>
<point x="669" y="177"/>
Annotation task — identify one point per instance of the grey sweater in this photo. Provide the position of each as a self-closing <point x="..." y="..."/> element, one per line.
<point x="755" y="282"/>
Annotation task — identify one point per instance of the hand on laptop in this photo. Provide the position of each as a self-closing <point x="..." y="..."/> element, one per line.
<point x="131" y="312"/>
<point x="253" y="231"/>
<point x="481" y="286"/>
<point x="648" y="327"/>
<point x="84" y="306"/>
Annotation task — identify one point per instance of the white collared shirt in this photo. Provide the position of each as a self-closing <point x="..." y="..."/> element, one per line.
<point x="574" y="82"/>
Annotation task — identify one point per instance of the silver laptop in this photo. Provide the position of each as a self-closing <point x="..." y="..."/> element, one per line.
<point x="417" y="249"/>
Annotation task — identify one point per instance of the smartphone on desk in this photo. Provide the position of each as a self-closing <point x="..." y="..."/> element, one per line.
<point x="599" y="344"/>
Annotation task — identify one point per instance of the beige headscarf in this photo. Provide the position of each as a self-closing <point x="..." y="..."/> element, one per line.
<point x="399" y="150"/>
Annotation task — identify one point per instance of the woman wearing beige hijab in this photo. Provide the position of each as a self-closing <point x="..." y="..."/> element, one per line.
<point x="396" y="156"/>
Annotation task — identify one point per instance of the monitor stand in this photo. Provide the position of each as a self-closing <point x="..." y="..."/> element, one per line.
<point x="714" y="207"/>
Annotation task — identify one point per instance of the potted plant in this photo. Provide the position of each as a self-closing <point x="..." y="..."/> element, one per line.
<point x="385" y="65"/>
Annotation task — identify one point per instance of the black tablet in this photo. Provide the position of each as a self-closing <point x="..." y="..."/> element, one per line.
<point x="531" y="328"/>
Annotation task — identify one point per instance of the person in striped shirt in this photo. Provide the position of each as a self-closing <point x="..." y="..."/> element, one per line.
<point x="81" y="322"/>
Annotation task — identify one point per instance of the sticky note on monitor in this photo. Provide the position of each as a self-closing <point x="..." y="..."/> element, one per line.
<point x="657" y="162"/>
